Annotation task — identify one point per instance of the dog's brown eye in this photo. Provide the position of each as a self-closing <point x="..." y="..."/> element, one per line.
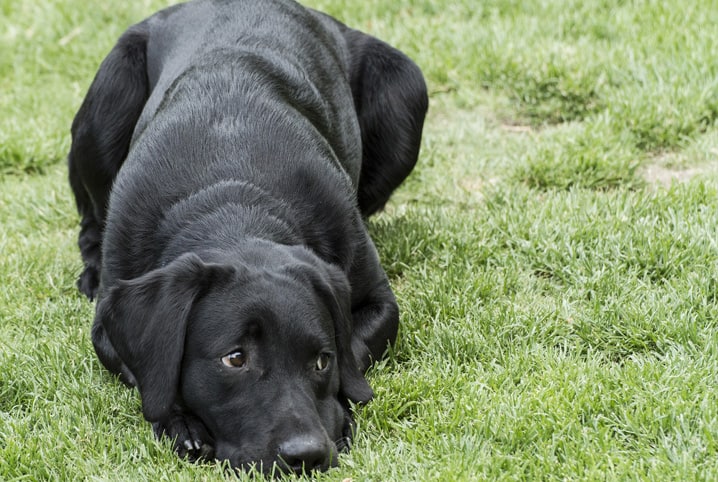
<point x="235" y="360"/>
<point x="322" y="362"/>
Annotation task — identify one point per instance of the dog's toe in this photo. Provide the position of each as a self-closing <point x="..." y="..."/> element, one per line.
<point x="190" y="438"/>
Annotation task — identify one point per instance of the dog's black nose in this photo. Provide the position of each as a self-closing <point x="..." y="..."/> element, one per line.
<point x="304" y="453"/>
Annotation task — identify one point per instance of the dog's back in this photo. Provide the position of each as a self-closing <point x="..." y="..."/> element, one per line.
<point x="242" y="52"/>
<point x="237" y="100"/>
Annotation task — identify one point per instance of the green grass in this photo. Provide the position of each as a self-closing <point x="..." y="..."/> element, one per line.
<point x="558" y="290"/>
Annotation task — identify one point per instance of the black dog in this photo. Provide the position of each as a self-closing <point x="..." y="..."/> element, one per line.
<point x="222" y="163"/>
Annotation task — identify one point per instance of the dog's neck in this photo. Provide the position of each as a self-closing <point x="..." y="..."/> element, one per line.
<point x="224" y="218"/>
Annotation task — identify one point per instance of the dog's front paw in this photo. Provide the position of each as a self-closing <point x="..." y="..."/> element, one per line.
<point x="190" y="437"/>
<point x="88" y="282"/>
<point x="345" y="443"/>
<point x="362" y="355"/>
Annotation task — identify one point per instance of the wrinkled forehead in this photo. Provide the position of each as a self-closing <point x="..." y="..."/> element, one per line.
<point x="265" y="305"/>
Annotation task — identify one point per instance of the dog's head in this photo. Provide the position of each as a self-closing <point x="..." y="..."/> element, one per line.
<point x="260" y="353"/>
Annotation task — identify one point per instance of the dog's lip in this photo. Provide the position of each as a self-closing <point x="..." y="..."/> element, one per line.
<point x="239" y="459"/>
<point x="236" y="456"/>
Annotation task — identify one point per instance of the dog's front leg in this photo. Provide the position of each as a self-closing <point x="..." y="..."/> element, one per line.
<point x="376" y="323"/>
<point x="375" y="313"/>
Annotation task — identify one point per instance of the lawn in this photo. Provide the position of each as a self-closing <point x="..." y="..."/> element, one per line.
<point x="554" y="255"/>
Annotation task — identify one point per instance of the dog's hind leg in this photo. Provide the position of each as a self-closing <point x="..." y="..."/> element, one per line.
<point x="101" y="134"/>
<point x="391" y="102"/>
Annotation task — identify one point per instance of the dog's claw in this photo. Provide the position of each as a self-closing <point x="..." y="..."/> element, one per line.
<point x="188" y="433"/>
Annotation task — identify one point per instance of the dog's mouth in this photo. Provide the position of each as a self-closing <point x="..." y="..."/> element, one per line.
<point x="297" y="461"/>
<point x="298" y="454"/>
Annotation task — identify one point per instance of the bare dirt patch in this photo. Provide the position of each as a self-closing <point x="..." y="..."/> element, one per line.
<point x="678" y="167"/>
<point x="665" y="176"/>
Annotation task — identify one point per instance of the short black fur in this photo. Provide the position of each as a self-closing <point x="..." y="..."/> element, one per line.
<point x="222" y="163"/>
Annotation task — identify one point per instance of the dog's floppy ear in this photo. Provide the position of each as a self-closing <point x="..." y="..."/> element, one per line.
<point x="333" y="286"/>
<point x="146" y="319"/>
